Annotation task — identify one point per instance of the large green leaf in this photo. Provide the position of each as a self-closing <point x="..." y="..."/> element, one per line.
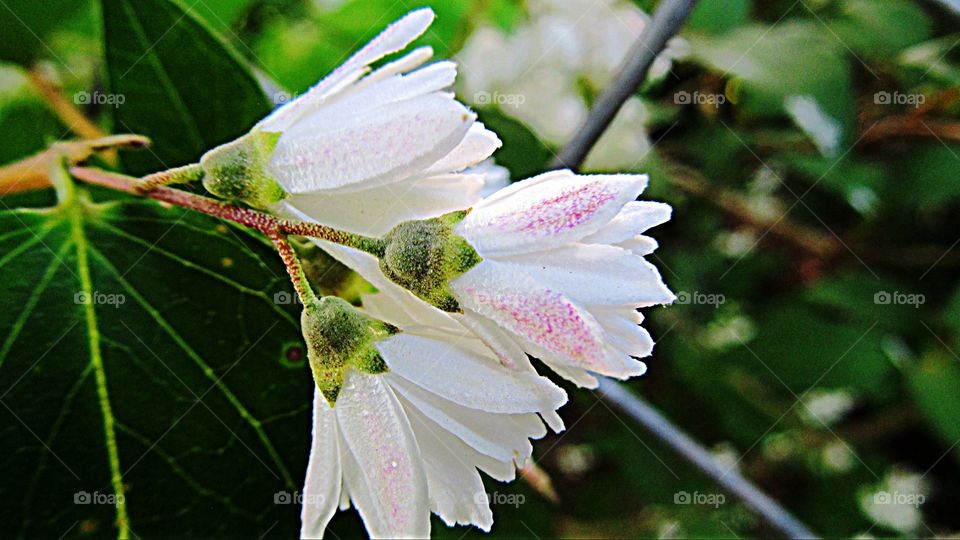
<point x="146" y="356"/>
<point x="175" y="82"/>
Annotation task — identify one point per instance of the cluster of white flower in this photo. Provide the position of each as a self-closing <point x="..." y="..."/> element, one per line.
<point x="545" y="71"/>
<point x="430" y="382"/>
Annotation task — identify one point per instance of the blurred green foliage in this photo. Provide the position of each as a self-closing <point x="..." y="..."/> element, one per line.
<point x="874" y="316"/>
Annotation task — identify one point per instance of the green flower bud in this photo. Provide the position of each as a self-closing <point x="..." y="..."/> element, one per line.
<point x="423" y="256"/>
<point x="340" y="337"/>
<point x="238" y="170"/>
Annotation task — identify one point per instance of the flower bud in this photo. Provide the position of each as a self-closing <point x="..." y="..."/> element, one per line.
<point x="340" y="337"/>
<point x="238" y="170"/>
<point x="423" y="256"/>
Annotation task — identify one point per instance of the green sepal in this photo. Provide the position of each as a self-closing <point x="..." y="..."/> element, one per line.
<point x="237" y="170"/>
<point x="424" y="256"/>
<point x="340" y="337"/>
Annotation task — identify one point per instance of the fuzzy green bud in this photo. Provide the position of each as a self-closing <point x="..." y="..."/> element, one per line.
<point x="423" y="256"/>
<point x="340" y="337"/>
<point x="237" y="170"/>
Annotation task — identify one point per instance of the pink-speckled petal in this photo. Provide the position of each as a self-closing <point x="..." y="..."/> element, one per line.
<point x="385" y="145"/>
<point x="394" y="501"/>
<point x="394" y="38"/>
<point x="635" y="218"/>
<point x="534" y="313"/>
<point x="538" y="214"/>
<point x="479" y="144"/>
<point x="321" y="489"/>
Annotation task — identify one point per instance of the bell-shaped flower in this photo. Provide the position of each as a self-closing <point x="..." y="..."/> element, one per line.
<point x="552" y="266"/>
<point x="363" y="149"/>
<point x="406" y="412"/>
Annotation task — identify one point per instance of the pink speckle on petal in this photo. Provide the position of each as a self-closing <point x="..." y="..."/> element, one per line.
<point x="555" y="214"/>
<point x="547" y="319"/>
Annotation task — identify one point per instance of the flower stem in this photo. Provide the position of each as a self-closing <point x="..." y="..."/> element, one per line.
<point x="176" y="175"/>
<point x="267" y="224"/>
<point x="294" y="268"/>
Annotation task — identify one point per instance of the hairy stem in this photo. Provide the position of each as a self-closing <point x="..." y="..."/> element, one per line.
<point x="267" y="224"/>
<point x="294" y="268"/>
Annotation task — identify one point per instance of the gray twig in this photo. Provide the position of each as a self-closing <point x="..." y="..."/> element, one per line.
<point x="656" y="424"/>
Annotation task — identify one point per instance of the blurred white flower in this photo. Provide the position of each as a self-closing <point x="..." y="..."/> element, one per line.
<point x="825" y="407"/>
<point x="402" y="443"/>
<point x="543" y="72"/>
<point x="896" y="502"/>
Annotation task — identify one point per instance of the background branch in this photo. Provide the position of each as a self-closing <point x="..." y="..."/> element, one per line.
<point x="666" y="22"/>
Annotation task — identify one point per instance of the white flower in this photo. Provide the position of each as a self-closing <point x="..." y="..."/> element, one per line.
<point x="363" y="150"/>
<point x="563" y="273"/>
<point x="400" y="444"/>
<point x="538" y="73"/>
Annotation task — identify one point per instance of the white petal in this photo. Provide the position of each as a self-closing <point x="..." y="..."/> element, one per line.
<point x="536" y="314"/>
<point x="423" y="427"/>
<point x="595" y="275"/>
<point x="577" y="376"/>
<point x="535" y="214"/>
<point x="500" y="436"/>
<point x="623" y="330"/>
<point x="456" y="490"/>
<point x="468" y="379"/>
<point x="635" y="218"/>
<point x="479" y="144"/>
<point x="374" y="211"/>
<point x="321" y="489"/>
<point x="380" y="146"/>
<point x="508" y="351"/>
<point x="410" y="61"/>
<point x="390" y="488"/>
<point x="641" y="245"/>
<point x="394" y="38"/>
<point x="367" y="100"/>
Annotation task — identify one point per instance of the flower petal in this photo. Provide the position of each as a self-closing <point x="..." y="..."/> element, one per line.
<point x="479" y="144"/>
<point x="454" y="483"/>
<point x="391" y="487"/>
<point x="373" y="212"/>
<point x="635" y="218"/>
<point x="384" y="145"/>
<point x="535" y="214"/>
<point x="500" y="436"/>
<point x="321" y="489"/>
<point x="535" y="313"/>
<point x="468" y="379"/>
<point x="595" y="274"/>
<point x="394" y="38"/>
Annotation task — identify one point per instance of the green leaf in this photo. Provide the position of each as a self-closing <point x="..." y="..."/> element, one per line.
<point x="929" y="174"/>
<point x="764" y="77"/>
<point x="174" y="82"/>
<point x="934" y="384"/>
<point x="146" y="356"/>
<point x="29" y="27"/>
<point x="719" y="16"/>
<point x="877" y="30"/>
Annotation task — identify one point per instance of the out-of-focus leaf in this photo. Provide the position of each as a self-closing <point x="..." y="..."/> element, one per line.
<point x="719" y="16"/>
<point x="28" y="27"/>
<point x="934" y="383"/>
<point x="155" y="52"/>
<point x="26" y="126"/>
<point x="764" y="77"/>
<point x="878" y="30"/>
<point x="928" y="174"/>
<point x="860" y="184"/>
<point x="522" y="152"/>
<point x="933" y="59"/>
